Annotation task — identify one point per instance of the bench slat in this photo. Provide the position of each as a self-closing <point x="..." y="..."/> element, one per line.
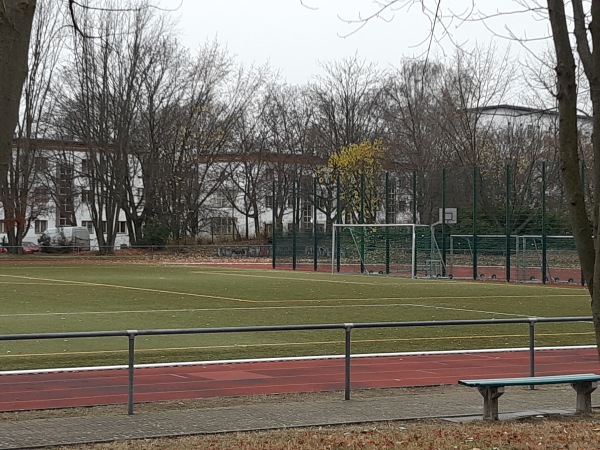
<point x="525" y="381"/>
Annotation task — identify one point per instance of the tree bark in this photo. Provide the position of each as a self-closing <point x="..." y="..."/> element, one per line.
<point x="16" y="19"/>
<point x="583" y="227"/>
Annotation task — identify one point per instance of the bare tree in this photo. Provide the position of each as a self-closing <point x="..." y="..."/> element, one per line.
<point x="414" y="117"/>
<point x="163" y="87"/>
<point x="101" y="108"/>
<point x="196" y="139"/>
<point x="26" y="166"/>
<point x="575" y="37"/>
<point x="16" y="20"/>
<point x="287" y="123"/>
<point x="248" y="187"/>
<point x="347" y="103"/>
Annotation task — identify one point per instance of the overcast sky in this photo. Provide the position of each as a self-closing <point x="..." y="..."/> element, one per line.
<point x="294" y="39"/>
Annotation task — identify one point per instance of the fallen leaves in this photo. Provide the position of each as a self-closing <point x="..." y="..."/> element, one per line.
<point x="547" y="433"/>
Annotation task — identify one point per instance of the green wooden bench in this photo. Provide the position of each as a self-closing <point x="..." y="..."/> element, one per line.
<point x="491" y="389"/>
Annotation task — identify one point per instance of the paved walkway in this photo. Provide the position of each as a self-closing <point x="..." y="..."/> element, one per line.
<point x="453" y="402"/>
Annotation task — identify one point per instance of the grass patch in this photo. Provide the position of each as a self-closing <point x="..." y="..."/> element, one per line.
<point x="61" y="297"/>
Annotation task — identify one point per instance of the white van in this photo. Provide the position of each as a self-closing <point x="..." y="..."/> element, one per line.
<point x="78" y="237"/>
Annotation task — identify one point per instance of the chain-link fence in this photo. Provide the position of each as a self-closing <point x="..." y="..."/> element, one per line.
<point x="505" y="223"/>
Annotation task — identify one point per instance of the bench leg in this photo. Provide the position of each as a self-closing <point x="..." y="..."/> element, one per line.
<point x="584" y="397"/>
<point x="490" y="401"/>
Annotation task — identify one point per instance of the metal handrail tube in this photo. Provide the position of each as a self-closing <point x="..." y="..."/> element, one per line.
<point x="269" y="328"/>
<point x="347" y="327"/>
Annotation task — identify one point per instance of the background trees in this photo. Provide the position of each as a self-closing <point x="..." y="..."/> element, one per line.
<point x="178" y="140"/>
<point x="575" y="35"/>
<point x="358" y="168"/>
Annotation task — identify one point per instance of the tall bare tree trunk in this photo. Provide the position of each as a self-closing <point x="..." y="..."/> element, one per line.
<point x="568" y="145"/>
<point x="16" y="18"/>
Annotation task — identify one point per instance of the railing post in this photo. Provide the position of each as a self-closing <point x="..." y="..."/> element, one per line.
<point x="131" y="364"/>
<point x="532" y="321"/>
<point x="348" y="327"/>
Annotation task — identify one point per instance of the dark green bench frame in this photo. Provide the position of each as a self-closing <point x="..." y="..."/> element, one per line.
<point x="491" y="389"/>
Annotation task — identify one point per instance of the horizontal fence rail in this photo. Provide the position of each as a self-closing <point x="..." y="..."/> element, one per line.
<point x="346" y="327"/>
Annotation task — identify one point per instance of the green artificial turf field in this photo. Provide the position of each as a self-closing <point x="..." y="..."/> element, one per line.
<point x="68" y="297"/>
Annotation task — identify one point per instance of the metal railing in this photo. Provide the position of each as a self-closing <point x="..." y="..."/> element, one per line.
<point x="347" y="327"/>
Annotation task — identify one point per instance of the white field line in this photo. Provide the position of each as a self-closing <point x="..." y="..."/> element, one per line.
<point x="266" y="308"/>
<point x="296" y="358"/>
<point x="131" y="288"/>
<point x="381" y="280"/>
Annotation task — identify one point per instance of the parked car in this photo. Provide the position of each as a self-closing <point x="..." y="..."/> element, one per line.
<point x="29" y="248"/>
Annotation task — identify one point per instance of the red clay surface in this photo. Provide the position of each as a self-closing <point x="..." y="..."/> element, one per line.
<point x="89" y="388"/>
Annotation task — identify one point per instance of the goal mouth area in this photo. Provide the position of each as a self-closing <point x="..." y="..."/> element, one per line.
<point x="380" y="249"/>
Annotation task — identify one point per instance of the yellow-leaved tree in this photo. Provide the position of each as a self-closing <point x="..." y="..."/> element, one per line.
<point x="359" y="169"/>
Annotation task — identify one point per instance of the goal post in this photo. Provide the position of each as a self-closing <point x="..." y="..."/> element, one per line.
<point x="399" y="249"/>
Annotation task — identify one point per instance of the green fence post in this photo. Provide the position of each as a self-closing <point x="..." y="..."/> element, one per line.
<point x="583" y="187"/>
<point x="294" y="214"/>
<point x="362" y="221"/>
<point x="274" y="229"/>
<point x="475" y="255"/>
<point x="338" y="219"/>
<point x="315" y="209"/>
<point x="387" y="221"/>
<point x="444" y="222"/>
<point x="414" y="210"/>
<point x="414" y="196"/>
<point x="508" y="227"/>
<point x="544" y="230"/>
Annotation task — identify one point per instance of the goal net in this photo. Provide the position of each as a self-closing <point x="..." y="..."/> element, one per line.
<point x="399" y="249"/>
<point x="562" y="262"/>
<point x="530" y="256"/>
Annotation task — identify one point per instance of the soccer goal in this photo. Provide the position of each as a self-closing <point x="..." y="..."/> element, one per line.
<point x="399" y="249"/>
<point x="561" y="260"/>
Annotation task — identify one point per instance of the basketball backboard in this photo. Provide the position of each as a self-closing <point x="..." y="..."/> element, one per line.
<point x="450" y="213"/>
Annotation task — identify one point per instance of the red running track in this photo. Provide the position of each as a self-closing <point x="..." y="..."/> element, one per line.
<point x="106" y="387"/>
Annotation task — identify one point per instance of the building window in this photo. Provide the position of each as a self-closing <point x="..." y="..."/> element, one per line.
<point x="41" y="195"/>
<point x="307" y="215"/>
<point x="65" y="196"/>
<point x="87" y="196"/>
<point x="2" y="226"/>
<point x="85" y="166"/>
<point x="65" y="220"/>
<point x="122" y="227"/>
<point x="220" y="200"/>
<point x="269" y="201"/>
<point x="40" y="164"/>
<point x="392" y="212"/>
<point x="268" y="227"/>
<point x="40" y="226"/>
<point x="89" y="225"/>
<point x="222" y="226"/>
